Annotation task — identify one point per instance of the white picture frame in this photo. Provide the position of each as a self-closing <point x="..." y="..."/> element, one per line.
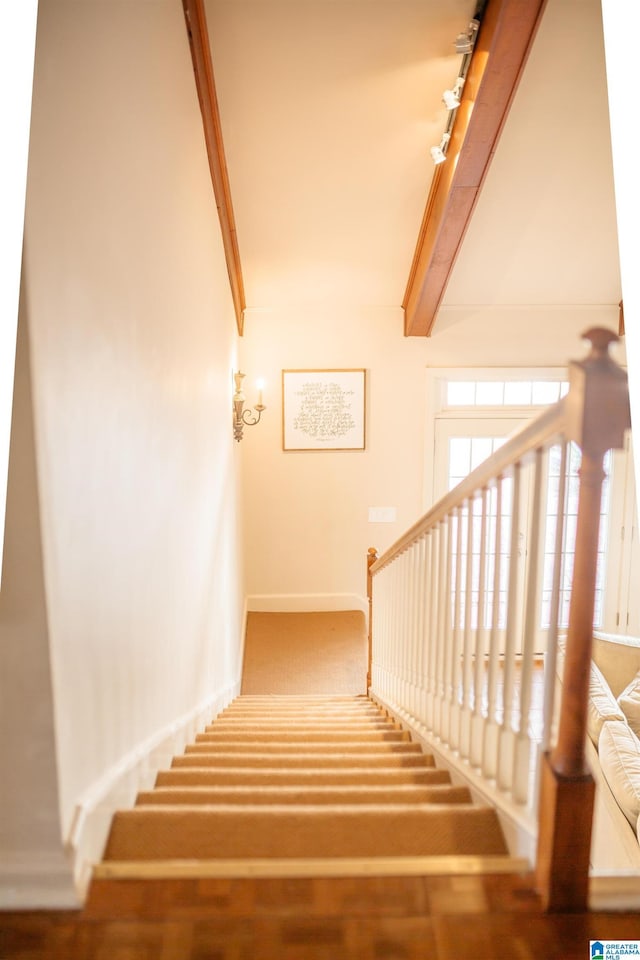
<point x="323" y="409"/>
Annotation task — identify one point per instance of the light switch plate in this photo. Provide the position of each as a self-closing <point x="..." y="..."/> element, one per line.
<point x="382" y="514"/>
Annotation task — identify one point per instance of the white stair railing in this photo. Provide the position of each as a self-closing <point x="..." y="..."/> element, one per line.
<point x="455" y="634"/>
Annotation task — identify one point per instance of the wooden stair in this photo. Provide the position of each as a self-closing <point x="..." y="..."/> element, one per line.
<point x="292" y="780"/>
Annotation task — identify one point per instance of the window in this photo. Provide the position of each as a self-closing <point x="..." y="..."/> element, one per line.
<point x="504" y="393"/>
<point x="474" y="412"/>
<point x="569" y="534"/>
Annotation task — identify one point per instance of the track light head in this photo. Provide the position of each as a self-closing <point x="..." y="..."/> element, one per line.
<point x="439" y="154"/>
<point x="450" y="100"/>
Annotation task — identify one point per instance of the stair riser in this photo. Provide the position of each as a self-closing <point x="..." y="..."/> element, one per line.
<point x="303" y="746"/>
<point x="316" y="760"/>
<point x="304" y="736"/>
<point x="305" y="709"/>
<point x="305" y="778"/>
<point x="303" y="716"/>
<point x="157" y="833"/>
<point x="322" y="698"/>
<point x="402" y="795"/>
<point x="305" y="722"/>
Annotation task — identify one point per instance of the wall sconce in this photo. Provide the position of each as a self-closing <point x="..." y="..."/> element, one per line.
<point x="242" y="417"/>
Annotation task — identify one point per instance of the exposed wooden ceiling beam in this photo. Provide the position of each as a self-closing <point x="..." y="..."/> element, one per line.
<point x="196" y="20"/>
<point x="505" y="38"/>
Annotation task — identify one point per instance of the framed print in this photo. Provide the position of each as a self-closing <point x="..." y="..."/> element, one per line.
<point x="323" y="409"/>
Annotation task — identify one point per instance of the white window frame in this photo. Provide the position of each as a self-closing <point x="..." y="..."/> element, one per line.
<point x="437" y="379"/>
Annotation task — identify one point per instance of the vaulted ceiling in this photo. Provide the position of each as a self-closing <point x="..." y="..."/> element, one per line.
<point x="320" y="115"/>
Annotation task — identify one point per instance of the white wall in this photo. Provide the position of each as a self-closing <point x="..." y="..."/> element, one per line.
<point x="512" y="336"/>
<point x="33" y="868"/>
<point x="17" y="46"/>
<point x="132" y="339"/>
<point x="620" y="74"/>
<point x="307" y="529"/>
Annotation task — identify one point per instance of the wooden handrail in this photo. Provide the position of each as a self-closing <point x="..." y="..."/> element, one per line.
<point x="196" y="22"/>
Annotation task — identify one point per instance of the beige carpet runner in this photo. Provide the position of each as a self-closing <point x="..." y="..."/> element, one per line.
<point x="303" y="777"/>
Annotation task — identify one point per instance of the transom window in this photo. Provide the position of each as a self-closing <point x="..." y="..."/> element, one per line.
<point x="503" y="393"/>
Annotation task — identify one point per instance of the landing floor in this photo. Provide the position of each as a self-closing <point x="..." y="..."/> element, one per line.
<point x="409" y="918"/>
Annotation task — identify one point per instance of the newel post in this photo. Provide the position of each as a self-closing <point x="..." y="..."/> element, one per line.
<point x="597" y="415"/>
<point x="372" y="556"/>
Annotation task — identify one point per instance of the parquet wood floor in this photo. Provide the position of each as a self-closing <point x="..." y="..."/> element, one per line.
<point x="365" y="918"/>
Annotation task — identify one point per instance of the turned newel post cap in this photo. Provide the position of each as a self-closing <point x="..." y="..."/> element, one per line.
<point x="597" y="405"/>
<point x="600" y="339"/>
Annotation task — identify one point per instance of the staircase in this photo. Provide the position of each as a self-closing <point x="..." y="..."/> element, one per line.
<point x="301" y="778"/>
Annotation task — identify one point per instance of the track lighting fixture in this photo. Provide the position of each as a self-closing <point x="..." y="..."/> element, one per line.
<point x="464" y="44"/>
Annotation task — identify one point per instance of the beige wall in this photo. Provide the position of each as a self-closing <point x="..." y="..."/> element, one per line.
<point x="132" y="341"/>
<point x="307" y="529"/>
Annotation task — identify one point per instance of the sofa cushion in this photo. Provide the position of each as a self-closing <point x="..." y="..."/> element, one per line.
<point x="618" y="658"/>
<point x="619" y="752"/>
<point x="629" y="701"/>
<point x="603" y="706"/>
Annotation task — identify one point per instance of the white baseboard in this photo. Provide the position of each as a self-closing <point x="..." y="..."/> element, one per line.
<point x="37" y="881"/>
<point x="305" y="602"/>
<point x="118" y="787"/>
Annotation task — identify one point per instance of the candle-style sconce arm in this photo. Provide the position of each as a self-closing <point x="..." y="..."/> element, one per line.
<point x="244" y="417"/>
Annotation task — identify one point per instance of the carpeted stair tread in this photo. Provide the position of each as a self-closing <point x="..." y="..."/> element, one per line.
<point x="307" y="778"/>
<point x="336" y="760"/>
<point x="379" y="747"/>
<point x="244" y="705"/>
<point x="305" y="717"/>
<point x="322" y="698"/>
<point x="298" y="736"/>
<point x="270" y="705"/>
<point x="261" y="794"/>
<point x="177" y="832"/>
<point x="303" y="722"/>
<point x="303" y="777"/>
<point x="303" y="709"/>
<point x="311" y="709"/>
<point x="319" y="702"/>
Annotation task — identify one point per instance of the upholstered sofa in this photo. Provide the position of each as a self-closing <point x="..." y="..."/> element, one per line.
<point x="613" y="752"/>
